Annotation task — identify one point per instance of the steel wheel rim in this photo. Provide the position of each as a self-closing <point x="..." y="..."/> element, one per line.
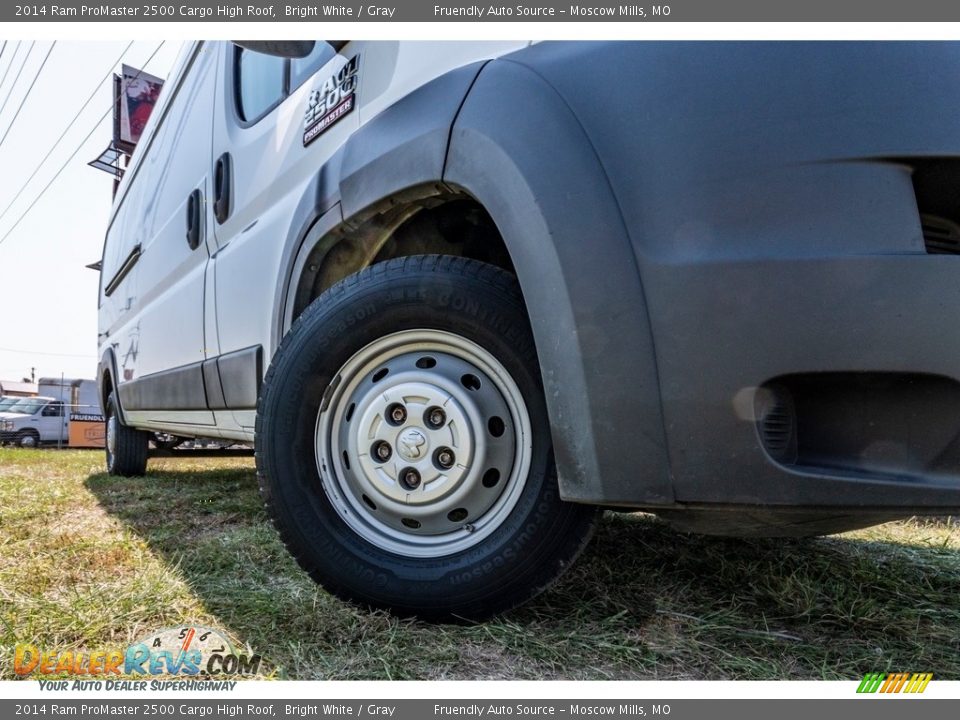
<point x="459" y="499"/>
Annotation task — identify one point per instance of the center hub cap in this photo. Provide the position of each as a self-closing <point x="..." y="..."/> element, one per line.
<point x="412" y="444"/>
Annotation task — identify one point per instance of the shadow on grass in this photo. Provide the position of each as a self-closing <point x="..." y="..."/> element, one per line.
<point x="643" y="601"/>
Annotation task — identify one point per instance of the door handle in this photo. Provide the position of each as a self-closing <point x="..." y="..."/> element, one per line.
<point x="194" y="219"/>
<point x="222" y="188"/>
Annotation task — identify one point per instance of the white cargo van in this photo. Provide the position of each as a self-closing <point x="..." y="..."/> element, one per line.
<point x="463" y="295"/>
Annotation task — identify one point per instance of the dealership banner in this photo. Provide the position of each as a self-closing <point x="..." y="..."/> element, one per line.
<point x="527" y="11"/>
<point x="421" y="709"/>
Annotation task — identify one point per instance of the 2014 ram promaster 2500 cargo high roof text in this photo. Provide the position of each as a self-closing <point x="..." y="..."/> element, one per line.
<point x="147" y="11"/>
<point x="463" y="295"/>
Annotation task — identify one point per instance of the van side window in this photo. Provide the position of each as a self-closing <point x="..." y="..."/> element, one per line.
<point x="303" y="68"/>
<point x="260" y="83"/>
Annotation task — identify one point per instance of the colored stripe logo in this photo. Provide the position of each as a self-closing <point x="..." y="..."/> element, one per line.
<point x="894" y="682"/>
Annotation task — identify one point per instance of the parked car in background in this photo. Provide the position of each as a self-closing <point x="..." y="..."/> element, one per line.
<point x="47" y="418"/>
<point x="33" y="421"/>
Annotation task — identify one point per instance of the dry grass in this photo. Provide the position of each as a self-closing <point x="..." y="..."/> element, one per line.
<point x="89" y="561"/>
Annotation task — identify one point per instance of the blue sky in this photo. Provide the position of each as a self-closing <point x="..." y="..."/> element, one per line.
<point x="48" y="298"/>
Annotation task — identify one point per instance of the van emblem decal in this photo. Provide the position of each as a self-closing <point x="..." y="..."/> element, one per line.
<point x="334" y="99"/>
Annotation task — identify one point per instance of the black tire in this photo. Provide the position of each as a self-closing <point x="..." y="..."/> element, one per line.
<point x="129" y="455"/>
<point x="529" y="548"/>
<point x="28" y="439"/>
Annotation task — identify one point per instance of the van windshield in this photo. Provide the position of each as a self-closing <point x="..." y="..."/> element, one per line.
<point x="7" y="402"/>
<point x="27" y="406"/>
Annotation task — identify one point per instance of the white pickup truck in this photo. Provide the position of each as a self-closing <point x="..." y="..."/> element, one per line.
<point x="34" y="420"/>
<point x="31" y="421"/>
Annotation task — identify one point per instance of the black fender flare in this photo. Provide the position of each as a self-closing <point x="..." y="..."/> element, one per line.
<point x="108" y="366"/>
<point x="406" y="144"/>
<point x="519" y="150"/>
<point x="403" y="147"/>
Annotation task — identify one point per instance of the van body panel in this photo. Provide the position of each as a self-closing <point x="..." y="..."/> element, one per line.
<point x="690" y="224"/>
<point x="166" y="287"/>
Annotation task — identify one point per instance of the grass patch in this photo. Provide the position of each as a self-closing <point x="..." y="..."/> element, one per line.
<point x="93" y="562"/>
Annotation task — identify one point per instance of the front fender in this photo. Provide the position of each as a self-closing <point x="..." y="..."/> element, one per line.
<point x="108" y="367"/>
<point x="518" y="149"/>
<point x="402" y="147"/>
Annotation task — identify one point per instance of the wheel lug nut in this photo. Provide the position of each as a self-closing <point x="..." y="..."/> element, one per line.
<point x="410" y="478"/>
<point x="436" y="417"/>
<point x="382" y="451"/>
<point x="445" y="457"/>
<point x="397" y="413"/>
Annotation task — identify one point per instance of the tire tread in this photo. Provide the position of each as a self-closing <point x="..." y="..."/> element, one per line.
<point x="130" y="453"/>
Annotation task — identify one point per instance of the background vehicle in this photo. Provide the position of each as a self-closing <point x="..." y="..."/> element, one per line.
<point x="34" y="420"/>
<point x="46" y="418"/>
<point x="708" y="279"/>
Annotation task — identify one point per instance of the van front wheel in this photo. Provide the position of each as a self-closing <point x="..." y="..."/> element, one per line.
<point x="403" y="445"/>
<point x="126" y="447"/>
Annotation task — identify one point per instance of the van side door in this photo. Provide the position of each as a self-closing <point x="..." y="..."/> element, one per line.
<point x="260" y="142"/>
<point x="157" y="306"/>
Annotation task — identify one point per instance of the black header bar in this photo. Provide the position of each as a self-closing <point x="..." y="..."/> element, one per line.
<point x="893" y="11"/>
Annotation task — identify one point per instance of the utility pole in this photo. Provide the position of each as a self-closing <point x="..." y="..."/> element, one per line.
<point x="62" y="415"/>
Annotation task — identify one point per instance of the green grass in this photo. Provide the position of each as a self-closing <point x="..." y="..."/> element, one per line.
<point x="89" y="561"/>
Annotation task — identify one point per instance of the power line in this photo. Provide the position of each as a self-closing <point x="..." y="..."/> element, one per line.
<point x="17" y="78"/>
<point x="23" y="100"/>
<point x="13" y="59"/>
<point x="64" y="133"/>
<point x="51" y="354"/>
<point x="72" y="156"/>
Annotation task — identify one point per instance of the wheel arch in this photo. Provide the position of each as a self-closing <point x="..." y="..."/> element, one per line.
<point x="28" y="432"/>
<point x="390" y="165"/>
<point x="107" y="382"/>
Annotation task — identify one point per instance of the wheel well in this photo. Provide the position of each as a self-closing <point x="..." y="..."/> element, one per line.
<point x="106" y="387"/>
<point x="449" y="223"/>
